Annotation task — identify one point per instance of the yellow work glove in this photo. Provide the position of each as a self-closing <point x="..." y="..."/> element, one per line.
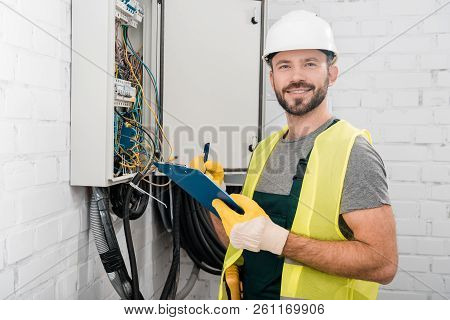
<point x="253" y="230"/>
<point x="212" y="169"/>
<point x="233" y="282"/>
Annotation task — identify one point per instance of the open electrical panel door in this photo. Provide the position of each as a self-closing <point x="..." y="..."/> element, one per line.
<point x="211" y="77"/>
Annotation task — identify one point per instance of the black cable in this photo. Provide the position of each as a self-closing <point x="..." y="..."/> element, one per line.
<point x="193" y="243"/>
<point x="162" y="194"/>
<point x="156" y="194"/>
<point x="176" y="239"/>
<point x="189" y="230"/>
<point x="139" y="201"/>
<point x="217" y="250"/>
<point x="129" y="240"/>
<point x="199" y="263"/>
<point x="212" y="255"/>
<point x="186" y="242"/>
<point x="210" y="236"/>
<point x="212" y="232"/>
<point x="192" y="230"/>
<point x="171" y="285"/>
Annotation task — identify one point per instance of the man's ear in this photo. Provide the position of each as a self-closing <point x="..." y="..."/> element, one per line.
<point x="333" y="72"/>
<point x="271" y="79"/>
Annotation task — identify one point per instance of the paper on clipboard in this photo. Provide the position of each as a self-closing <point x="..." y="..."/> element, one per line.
<point x="197" y="185"/>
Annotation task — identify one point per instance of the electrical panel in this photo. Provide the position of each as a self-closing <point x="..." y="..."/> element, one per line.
<point x="157" y="79"/>
<point x="113" y="57"/>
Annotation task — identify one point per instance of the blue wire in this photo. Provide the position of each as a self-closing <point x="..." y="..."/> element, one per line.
<point x="149" y="72"/>
<point x="129" y="45"/>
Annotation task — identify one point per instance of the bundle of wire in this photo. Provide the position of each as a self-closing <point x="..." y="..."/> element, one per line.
<point x="136" y="147"/>
<point x="196" y="236"/>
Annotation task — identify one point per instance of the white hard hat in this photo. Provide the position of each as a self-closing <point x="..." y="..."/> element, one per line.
<point x="299" y="29"/>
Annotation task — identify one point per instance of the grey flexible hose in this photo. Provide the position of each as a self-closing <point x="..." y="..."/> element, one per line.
<point x="105" y="239"/>
<point x="189" y="284"/>
<point x="95" y="221"/>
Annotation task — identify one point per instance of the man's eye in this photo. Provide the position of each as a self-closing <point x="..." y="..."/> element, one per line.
<point x="310" y="64"/>
<point x="284" y="66"/>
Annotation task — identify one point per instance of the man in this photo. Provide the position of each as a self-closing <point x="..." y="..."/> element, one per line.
<point x="318" y="222"/>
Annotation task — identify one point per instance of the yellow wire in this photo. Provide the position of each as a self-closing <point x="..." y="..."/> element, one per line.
<point x="127" y="166"/>
<point x="155" y="184"/>
<point x="131" y="156"/>
<point x="146" y="103"/>
<point x="124" y="151"/>
<point x="159" y="185"/>
<point x="128" y="120"/>
<point x="149" y="106"/>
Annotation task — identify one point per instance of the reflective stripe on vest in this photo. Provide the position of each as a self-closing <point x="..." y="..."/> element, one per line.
<point x="317" y="214"/>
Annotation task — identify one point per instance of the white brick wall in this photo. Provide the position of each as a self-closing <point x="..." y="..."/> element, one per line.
<point x="402" y="96"/>
<point x="46" y="250"/>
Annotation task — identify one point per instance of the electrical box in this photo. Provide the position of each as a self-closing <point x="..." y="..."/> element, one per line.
<point x="102" y="85"/>
<point x="203" y="79"/>
<point x="212" y="78"/>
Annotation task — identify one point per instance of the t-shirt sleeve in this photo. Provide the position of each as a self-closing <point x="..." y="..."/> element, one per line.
<point x="365" y="184"/>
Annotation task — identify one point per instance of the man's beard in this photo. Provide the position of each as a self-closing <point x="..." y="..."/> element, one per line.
<point x="297" y="108"/>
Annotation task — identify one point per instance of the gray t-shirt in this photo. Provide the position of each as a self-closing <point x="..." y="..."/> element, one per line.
<point x="365" y="184"/>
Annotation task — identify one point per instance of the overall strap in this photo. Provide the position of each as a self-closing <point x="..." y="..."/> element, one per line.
<point x="303" y="162"/>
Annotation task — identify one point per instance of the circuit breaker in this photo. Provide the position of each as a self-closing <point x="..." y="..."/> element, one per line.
<point x="154" y="75"/>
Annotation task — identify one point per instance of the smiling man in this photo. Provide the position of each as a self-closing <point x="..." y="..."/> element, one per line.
<point x="305" y="96"/>
<point x="318" y="222"/>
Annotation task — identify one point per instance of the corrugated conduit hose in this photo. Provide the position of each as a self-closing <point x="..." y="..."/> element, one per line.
<point x="106" y="243"/>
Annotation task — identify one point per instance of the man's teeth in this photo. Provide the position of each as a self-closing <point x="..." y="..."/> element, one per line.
<point x="298" y="91"/>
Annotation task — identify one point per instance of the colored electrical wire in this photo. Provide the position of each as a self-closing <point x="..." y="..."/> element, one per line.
<point x="149" y="72"/>
<point x="125" y="30"/>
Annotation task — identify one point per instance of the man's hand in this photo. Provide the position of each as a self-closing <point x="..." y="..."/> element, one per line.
<point x="220" y="231"/>
<point x="215" y="172"/>
<point x="253" y="231"/>
<point x="212" y="169"/>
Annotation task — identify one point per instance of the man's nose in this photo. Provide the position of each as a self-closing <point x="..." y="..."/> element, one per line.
<point x="298" y="74"/>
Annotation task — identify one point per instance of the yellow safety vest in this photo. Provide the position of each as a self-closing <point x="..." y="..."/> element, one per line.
<point x="316" y="216"/>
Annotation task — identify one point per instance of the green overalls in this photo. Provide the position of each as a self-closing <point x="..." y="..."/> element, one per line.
<point x="261" y="272"/>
